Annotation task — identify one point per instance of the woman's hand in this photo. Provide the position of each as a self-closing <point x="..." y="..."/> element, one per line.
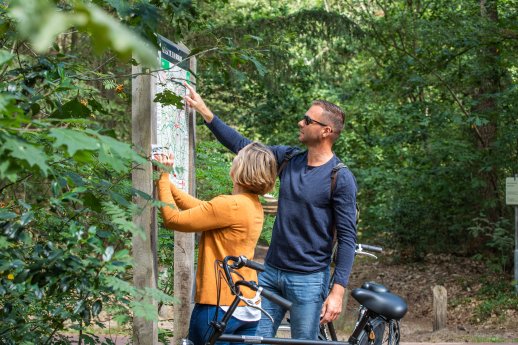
<point x="166" y="159"/>
<point x="195" y="102"/>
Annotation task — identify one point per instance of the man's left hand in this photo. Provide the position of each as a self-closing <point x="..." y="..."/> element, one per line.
<point x="332" y="306"/>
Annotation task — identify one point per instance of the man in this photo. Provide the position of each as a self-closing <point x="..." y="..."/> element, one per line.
<point x="297" y="262"/>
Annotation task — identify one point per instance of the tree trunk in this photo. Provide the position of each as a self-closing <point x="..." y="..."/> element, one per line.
<point x="486" y="107"/>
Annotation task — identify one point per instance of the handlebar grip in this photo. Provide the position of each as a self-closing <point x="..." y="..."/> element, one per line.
<point x="372" y="248"/>
<point x="253" y="265"/>
<point x="276" y="299"/>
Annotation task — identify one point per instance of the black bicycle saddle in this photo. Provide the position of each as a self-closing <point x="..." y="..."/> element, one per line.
<point x="375" y="287"/>
<point x="383" y="303"/>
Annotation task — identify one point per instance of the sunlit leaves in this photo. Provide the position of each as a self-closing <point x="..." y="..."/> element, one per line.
<point x="108" y="253"/>
<point x="109" y="32"/>
<point x="41" y="21"/>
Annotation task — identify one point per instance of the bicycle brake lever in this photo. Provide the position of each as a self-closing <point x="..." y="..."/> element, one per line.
<point x="265" y="312"/>
<point x="367" y="254"/>
<point x="251" y="303"/>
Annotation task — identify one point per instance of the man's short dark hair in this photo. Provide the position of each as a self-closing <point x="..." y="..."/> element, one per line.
<point x="334" y="113"/>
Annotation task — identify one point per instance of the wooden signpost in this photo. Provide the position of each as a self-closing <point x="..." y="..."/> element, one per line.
<point x="173" y="128"/>
<point x="175" y="131"/>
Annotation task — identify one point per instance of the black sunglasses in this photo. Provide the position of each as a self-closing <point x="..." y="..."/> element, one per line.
<point x="308" y="120"/>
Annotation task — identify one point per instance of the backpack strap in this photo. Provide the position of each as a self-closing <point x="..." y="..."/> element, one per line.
<point x="334" y="172"/>
<point x="287" y="158"/>
<point x="333" y="176"/>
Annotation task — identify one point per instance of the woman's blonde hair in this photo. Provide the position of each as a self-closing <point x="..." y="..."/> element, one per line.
<point x="255" y="168"/>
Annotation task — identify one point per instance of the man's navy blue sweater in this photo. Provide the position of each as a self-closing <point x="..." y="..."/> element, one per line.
<point x="302" y="236"/>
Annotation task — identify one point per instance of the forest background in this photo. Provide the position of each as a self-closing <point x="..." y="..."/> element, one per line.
<point x="429" y="89"/>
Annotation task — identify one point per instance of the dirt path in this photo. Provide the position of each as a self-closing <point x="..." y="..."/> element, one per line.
<point x="462" y="277"/>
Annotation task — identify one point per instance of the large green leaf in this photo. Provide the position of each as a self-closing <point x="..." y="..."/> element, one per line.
<point x="29" y="153"/>
<point x="73" y="140"/>
<point x="116" y="153"/>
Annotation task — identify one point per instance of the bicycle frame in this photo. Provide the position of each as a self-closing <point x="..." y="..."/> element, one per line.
<point x="220" y="326"/>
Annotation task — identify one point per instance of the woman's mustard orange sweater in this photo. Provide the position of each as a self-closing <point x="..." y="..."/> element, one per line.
<point x="231" y="225"/>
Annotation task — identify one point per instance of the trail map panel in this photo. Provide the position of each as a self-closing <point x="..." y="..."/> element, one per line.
<point x="172" y="122"/>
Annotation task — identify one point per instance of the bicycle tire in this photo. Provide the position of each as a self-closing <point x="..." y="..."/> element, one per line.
<point x="323" y="333"/>
<point x="378" y="326"/>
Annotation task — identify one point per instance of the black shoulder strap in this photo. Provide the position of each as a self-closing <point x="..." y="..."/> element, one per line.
<point x="333" y="176"/>
<point x="287" y="159"/>
<point x="334" y="172"/>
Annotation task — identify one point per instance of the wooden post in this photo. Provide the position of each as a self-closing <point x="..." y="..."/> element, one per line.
<point x="184" y="246"/>
<point x="440" y="303"/>
<point x="144" y="276"/>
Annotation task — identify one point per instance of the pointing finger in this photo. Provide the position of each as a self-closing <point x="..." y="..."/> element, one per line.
<point x="191" y="90"/>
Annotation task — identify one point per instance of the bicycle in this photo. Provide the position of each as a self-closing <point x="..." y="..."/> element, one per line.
<point x="377" y="305"/>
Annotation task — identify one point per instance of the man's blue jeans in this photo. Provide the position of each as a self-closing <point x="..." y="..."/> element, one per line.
<point x="307" y="292"/>
<point x="200" y="329"/>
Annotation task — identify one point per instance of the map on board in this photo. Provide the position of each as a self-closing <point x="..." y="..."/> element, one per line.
<point x="172" y="123"/>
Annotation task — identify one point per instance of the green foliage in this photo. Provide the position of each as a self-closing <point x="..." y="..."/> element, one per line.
<point x="213" y="163"/>
<point x="499" y="237"/>
<point x="266" y="233"/>
<point x="429" y="95"/>
<point x="56" y="260"/>
<point x="497" y="297"/>
<point x="167" y="97"/>
<point x="65" y="203"/>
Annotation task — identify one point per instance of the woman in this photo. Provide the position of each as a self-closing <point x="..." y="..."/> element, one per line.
<point x="230" y="225"/>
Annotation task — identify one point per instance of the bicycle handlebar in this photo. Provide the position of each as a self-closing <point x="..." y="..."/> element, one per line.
<point x="240" y="261"/>
<point x="252" y="264"/>
<point x="366" y="247"/>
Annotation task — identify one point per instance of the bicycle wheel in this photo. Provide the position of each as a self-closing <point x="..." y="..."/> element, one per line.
<point x="378" y="327"/>
<point x="324" y="333"/>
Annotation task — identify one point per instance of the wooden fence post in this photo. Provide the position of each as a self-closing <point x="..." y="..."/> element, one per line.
<point x="440" y="303"/>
